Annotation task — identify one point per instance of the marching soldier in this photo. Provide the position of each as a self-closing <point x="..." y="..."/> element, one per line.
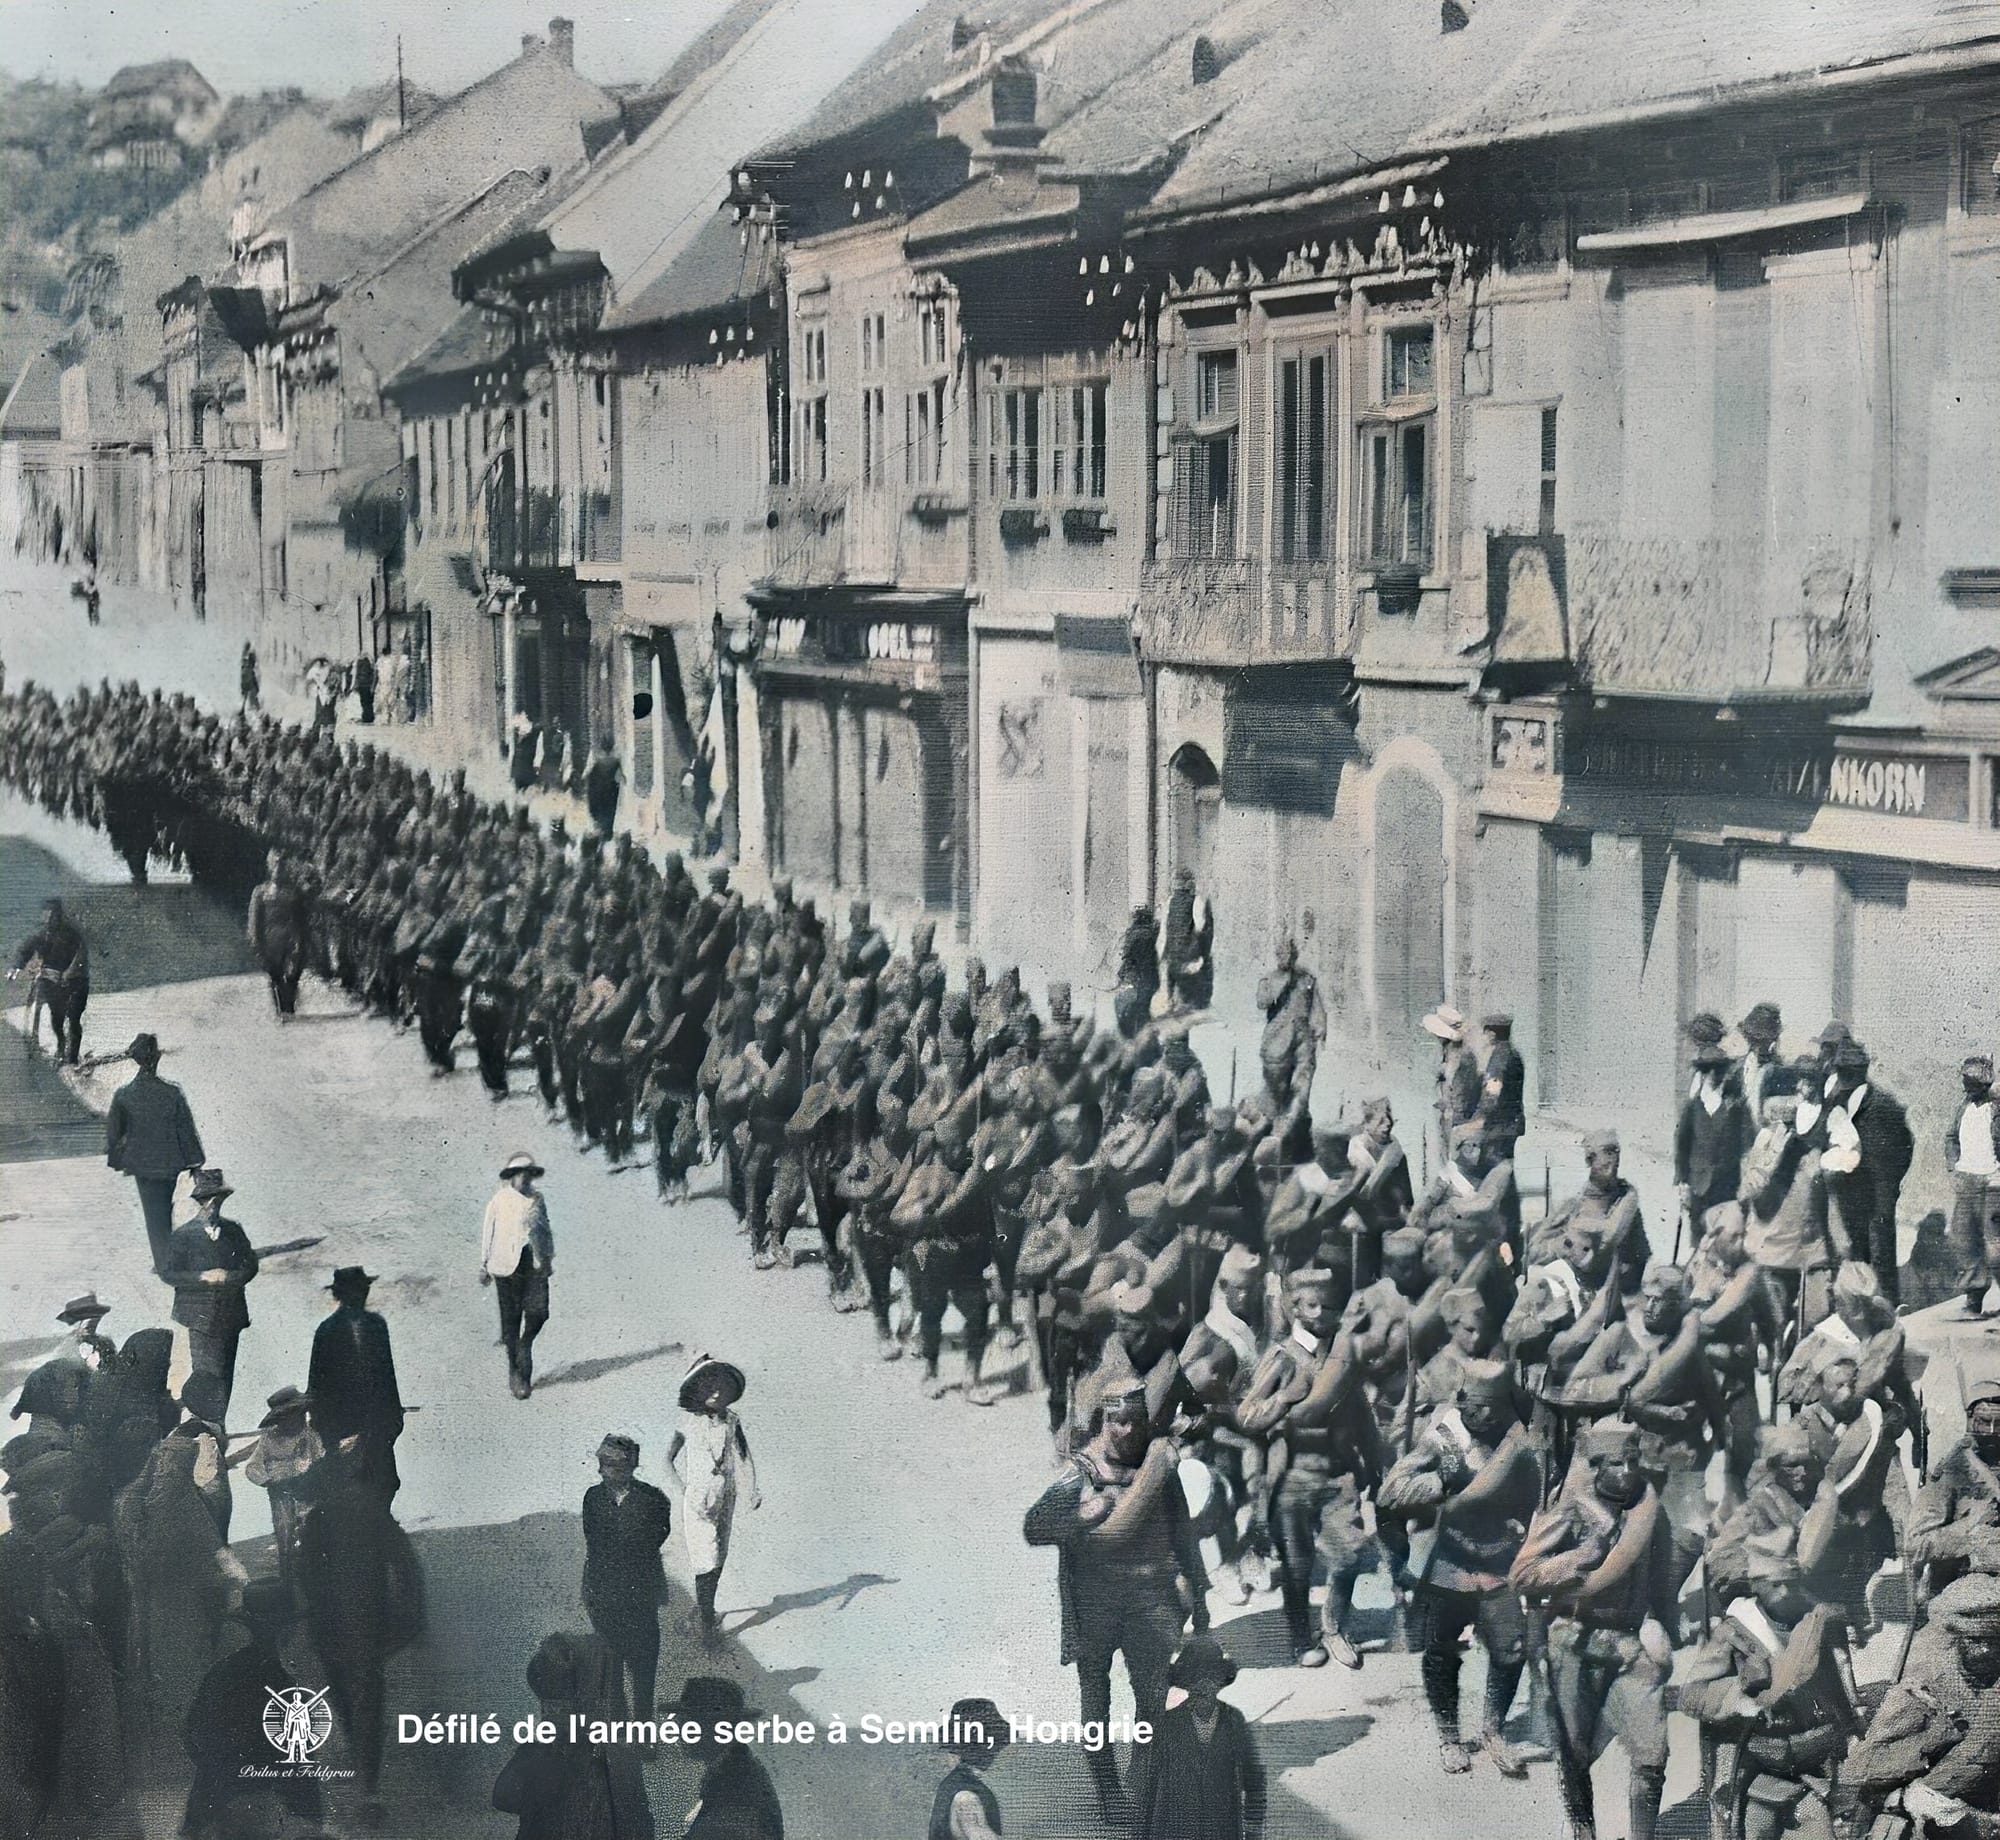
<point x="1601" y="1561"/>
<point x="277" y="928"/>
<point x="1956" y="1526"/>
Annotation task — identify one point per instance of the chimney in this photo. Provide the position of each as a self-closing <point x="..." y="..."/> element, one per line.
<point x="562" y="40"/>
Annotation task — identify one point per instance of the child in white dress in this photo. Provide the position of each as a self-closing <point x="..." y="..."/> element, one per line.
<point x="717" y="1465"/>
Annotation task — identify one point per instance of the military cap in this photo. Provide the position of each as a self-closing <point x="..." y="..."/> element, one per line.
<point x="1971" y="1606"/>
<point x="1786" y="1443"/>
<point x="1596" y="1141"/>
<point x="1985" y="1392"/>
<point x="1221" y="1118"/>
<point x="1611" y="1439"/>
<point x="1309" y="1278"/>
<point x="1486" y="1383"/>
<point x="1460" y="1304"/>
<point x="1238" y="1262"/>
<point x="1132" y="1299"/>
<point x="1856" y="1282"/>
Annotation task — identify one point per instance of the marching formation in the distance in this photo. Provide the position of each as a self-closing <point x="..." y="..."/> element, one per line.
<point x="1249" y="1329"/>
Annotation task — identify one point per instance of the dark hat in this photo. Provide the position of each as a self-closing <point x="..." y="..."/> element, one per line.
<point x="266" y="1601"/>
<point x="554" y="1667"/>
<point x="1974" y="1609"/>
<point x="1201" y="1657"/>
<point x="1704" y="1029"/>
<point x="1762" y="1022"/>
<point x="1498" y="1023"/>
<point x="709" y="1699"/>
<point x="521" y="1163"/>
<point x="145" y="1047"/>
<point x="976" y="1728"/>
<point x="286" y="1402"/>
<point x="1977" y="1067"/>
<point x="203" y="1395"/>
<point x="1834" y="1034"/>
<point x="1850" y="1057"/>
<point x="350" y="1278"/>
<point x="617" y="1444"/>
<point x="209" y="1186"/>
<point x="699" y="1369"/>
<point x="1711" y="1054"/>
<point x="82" y="1309"/>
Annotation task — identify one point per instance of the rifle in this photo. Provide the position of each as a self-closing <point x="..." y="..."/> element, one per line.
<point x="1681" y="1212"/>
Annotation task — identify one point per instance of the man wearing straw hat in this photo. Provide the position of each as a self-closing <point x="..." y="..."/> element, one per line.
<point x="718" y="1466"/>
<point x="1457" y="1073"/>
<point x="517" y="1256"/>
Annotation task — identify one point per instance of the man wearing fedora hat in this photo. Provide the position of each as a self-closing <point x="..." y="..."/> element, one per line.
<point x="210" y="1263"/>
<point x="1201" y="1774"/>
<point x="517" y="1256"/>
<point x="625" y="1523"/>
<point x="352" y="1382"/>
<point x="1972" y="1154"/>
<point x="965" y="1807"/>
<point x="738" y="1800"/>
<point x="149" y="1135"/>
<point x="1714" y="1128"/>
<point x="1762" y="1072"/>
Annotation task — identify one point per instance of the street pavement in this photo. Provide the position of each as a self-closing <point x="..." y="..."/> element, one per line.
<point x="885" y="1572"/>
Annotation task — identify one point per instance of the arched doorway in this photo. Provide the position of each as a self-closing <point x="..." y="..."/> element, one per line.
<point x="1194" y="809"/>
<point x="1409" y="903"/>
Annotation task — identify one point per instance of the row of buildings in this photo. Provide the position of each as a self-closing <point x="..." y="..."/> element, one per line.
<point x="1507" y="493"/>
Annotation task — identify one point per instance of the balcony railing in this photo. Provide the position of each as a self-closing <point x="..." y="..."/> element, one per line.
<point x="1720" y="618"/>
<point x="1238" y="609"/>
<point x="832" y="536"/>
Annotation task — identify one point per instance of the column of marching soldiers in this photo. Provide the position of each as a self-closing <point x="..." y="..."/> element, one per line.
<point x="1248" y="1329"/>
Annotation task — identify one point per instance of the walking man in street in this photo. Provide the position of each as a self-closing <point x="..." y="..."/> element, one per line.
<point x="625" y="1523"/>
<point x="517" y="1254"/>
<point x="57" y="957"/>
<point x="277" y="929"/>
<point x="149" y="1135"/>
<point x="352" y="1382"/>
<point x="210" y="1262"/>
<point x="1972" y="1152"/>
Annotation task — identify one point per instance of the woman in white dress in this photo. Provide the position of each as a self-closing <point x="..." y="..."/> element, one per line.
<point x="717" y="1466"/>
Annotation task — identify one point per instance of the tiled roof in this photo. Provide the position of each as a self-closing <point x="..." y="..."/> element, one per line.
<point x="723" y="264"/>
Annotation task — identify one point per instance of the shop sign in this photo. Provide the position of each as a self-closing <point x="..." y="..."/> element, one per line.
<point x="1935" y="786"/>
<point x="1728" y="768"/>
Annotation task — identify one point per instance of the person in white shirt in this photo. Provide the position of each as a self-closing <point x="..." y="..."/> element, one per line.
<point x="517" y="1255"/>
<point x="1972" y="1152"/>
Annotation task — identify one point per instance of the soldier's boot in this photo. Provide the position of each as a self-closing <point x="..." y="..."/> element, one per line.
<point x="1334" y="1613"/>
<point x="1648" y="1786"/>
<point x="1503" y="1680"/>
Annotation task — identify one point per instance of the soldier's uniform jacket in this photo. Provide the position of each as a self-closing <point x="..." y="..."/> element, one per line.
<point x="1609" y="1223"/>
<point x="1600" y="1565"/>
<point x="1956" y="1525"/>
<point x="1668" y="1388"/>
<point x="1804" y="1732"/>
<point x="1939" y="1729"/>
<point x="1481" y="1504"/>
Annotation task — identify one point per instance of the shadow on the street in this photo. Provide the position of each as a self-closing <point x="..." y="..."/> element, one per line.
<point x="1296" y="1744"/>
<point x="573" y="1373"/>
<point x="839" y="1595"/>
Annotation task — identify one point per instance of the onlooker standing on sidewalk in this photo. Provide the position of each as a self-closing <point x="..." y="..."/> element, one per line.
<point x="364" y="686"/>
<point x="210" y="1262"/>
<point x="149" y="1135"/>
<point x="248" y="680"/>
<point x="323" y="688"/>
<point x="602" y="779"/>
<point x="521" y="736"/>
<point x="1972" y="1153"/>
<point x="717" y="1452"/>
<point x="625" y="1523"/>
<point x="517" y="1254"/>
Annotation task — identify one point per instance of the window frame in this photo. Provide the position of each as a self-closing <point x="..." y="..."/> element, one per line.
<point x="1305" y="506"/>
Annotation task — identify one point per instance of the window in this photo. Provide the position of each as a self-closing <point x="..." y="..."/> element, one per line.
<point x="933" y="324"/>
<point x="1823" y="173"/>
<point x="1548" y="523"/>
<point x="1303" y="494"/>
<point x="812" y="438"/>
<point x="1982" y="167"/>
<point x="1076" y="464"/>
<point x="924" y="436"/>
<point x="874" y="343"/>
<point x="874" y="436"/>
<point x="1408" y="367"/>
<point x="1399" y="494"/>
<point x="1015" y="457"/>
<point x="1215" y="385"/>
<point x="812" y="355"/>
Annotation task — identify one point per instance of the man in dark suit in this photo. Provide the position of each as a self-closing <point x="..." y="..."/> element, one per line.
<point x="210" y="1261"/>
<point x="149" y="1135"/>
<point x="1502" y="1111"/>
<point x="1868" y="1149"/>
<point x="352" y="1381"/>
<point x="1714" y="1128"/>
<point x="625" y="1523"/>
